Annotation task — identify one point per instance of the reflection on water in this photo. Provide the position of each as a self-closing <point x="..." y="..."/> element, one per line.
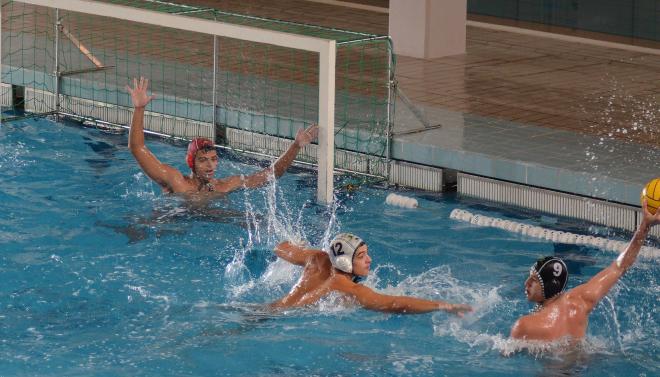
<point x="175" y="220"/>
<point x="102" y="274"/>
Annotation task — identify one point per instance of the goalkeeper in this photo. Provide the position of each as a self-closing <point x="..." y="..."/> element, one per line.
<point x="202" y="157"/>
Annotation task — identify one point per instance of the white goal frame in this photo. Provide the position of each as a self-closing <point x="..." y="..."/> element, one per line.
<point x="326" y="49"/>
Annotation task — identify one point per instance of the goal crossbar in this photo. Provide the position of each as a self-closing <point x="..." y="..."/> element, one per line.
<point x="326" y="49"/>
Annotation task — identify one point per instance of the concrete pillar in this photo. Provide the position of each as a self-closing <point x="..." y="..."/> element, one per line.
<point x="428" y="28"/>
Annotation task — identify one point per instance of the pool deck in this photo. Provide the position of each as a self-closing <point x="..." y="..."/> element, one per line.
<point x="561" y="115"/>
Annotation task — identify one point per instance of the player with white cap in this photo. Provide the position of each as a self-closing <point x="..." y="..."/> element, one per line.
<point x="339" y="269"/>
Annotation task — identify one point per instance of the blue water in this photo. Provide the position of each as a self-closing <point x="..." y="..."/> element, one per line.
<point x="103" y="275"/>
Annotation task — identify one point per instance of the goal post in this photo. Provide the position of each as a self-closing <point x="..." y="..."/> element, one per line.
<point x="325" y="48"/>
<point x="247" y="82"/>
<point x="325" y="186"/>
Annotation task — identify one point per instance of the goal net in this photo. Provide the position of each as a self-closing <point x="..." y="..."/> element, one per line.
<point x="245" y="82"/>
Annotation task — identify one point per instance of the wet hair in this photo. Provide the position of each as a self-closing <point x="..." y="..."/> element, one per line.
<point x="552" y="274"/>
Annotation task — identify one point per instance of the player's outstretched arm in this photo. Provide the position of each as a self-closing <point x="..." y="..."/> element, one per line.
<point x="303" y="138"/>
<point x="156" y="170"/>
<point x="403" y="304"/>
<point x="294" y="253"/>
<point x="598" y="286"/>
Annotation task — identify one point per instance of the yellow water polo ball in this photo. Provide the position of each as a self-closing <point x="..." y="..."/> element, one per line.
<point x="651" y="193"/>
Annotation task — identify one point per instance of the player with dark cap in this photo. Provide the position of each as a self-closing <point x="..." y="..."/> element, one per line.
<point x="339" y="269"/>
<point x="560" y="314"/>
<point x="202" y="158"/>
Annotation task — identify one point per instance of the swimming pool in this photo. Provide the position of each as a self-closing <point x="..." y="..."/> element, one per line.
<point x="103" y="275"/>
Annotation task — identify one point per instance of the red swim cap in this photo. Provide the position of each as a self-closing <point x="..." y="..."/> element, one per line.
<point x="195" y="145"/>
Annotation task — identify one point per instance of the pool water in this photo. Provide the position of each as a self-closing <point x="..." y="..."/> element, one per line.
<point x="103" y="275"/>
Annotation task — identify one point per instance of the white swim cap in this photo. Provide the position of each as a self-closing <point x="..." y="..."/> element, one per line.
<point x="342" y="250"/>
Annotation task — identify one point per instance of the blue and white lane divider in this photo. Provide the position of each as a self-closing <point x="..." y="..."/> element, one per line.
<point x="556" y="236"/>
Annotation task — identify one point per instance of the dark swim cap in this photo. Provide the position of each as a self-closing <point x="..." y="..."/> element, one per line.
<point x="196" y="145"/>
<point x="552" y="274"/>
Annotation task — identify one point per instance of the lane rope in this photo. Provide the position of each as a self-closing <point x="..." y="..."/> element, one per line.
<point x="555" y="236"/>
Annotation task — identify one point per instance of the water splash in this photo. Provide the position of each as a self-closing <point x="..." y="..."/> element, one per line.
<point x="623" y="116"/>
<point x="438" y="283"/>
<point x="279" y="222"/>
<point x="609" y="338"/>
<point x="617" y="326"/>
<point x="236" y="272"/>
<point x="333" y="224"/>
<point x="282" y="221"/>
<point x="141" y="187"/>
<point x="499" y="342"/>
<point x="625" y="124"/>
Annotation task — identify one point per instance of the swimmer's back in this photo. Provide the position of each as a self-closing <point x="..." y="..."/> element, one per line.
<point x="568" y="316"/>
<point x="315" y="282"/>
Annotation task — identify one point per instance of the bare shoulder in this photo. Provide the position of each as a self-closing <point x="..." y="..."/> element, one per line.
<point x="320" y="257"/>
<point x="575" y="300"/>
<point x="572" y="296"/>
<point x="174" y="180"/>
<point x="521" y="328"/>
<point x="177" y="176"/>
<point x="349" y="287"/>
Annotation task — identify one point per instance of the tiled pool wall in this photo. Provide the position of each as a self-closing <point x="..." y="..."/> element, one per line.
<point x="557" y="203"/>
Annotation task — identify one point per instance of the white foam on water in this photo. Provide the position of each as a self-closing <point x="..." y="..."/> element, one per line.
<point x="276" y="280"/>
<point x="239" y="290"/>
<point x="146" y="294"/>
<point x="140" y="186"/>
<point x="280" y="272"/>
<point x="336" y="304"/>
<point x="438" y="283"/>
<point x="614" y="342"/>
<point x="499" y="342"/>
